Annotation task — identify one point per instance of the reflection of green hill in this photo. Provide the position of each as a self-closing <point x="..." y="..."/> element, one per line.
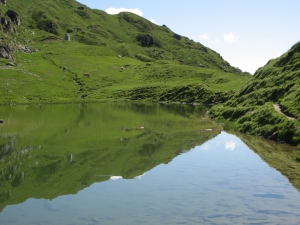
<point x="52" y="150"/>
<point x="281" y="157"/>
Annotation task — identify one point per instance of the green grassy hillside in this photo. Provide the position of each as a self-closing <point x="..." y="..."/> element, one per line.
<point x="108" y="57"/>
<point x="252" y="107"/>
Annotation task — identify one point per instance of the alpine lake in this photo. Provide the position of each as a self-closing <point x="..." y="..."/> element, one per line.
<point x="97" y="163"/>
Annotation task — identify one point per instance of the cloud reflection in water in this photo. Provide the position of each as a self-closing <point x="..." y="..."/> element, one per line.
<point x="231" y="145"/>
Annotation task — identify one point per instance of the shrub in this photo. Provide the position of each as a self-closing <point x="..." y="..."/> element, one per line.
<point x="49" y="26"/>
<point x="298" y="157"/>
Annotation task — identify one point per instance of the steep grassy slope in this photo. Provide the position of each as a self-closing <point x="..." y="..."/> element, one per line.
<point x="252" y="107"/>
<point x="108" y="57"/>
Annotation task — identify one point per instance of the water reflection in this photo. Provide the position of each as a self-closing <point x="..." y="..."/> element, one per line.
<point x="231" y="145"/>
<point x="199" y="187"/>
<point x="279" y="156"/>
<point x="52" y="150"/>
<point x="158" y="165"/>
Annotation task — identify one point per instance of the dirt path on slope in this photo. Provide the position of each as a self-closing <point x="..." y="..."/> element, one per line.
<point x="278" y="109"/>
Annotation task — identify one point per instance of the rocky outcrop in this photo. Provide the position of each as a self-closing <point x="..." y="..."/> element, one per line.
<point x="26" y="49"/>
<point x="49" y="26"/>
<point x="8" y="25"/>
<point x="177" y="36"/>
<point x="10" y="64"/>
<point x="2" y="2"/>
<point x="5" y="52"/>
<point x="14" y="16"/>
<point x="147" y="40"/>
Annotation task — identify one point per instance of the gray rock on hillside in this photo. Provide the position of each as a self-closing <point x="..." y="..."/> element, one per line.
<point x="177" y="36"/>
<point x="14" y="16"/>
<point x="8" y="25"/>
<point x="148" y="40"/>
<point x="2" y="2"/>
<point x="5" y="52"/>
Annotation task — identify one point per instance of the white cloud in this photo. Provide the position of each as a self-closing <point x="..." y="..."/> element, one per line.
<point x="217" y="41"/>
<point x="118" y="10"/>
<point x="230" y="145"/>
<point x="205" y="147"/>
<point x="204" y="36"/>
<point x="230" y="38"/>
<point x="153" y="21"/>
<point x="116" y="177"/>
<point x="140" y="176"/>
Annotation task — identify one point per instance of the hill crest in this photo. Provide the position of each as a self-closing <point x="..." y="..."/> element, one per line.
<point x="66" y="34"/>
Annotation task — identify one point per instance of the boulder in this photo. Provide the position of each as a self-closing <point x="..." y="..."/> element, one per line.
<point x="8" y="25"/>
<point x="177" y="36"/>
<point x="2" y="2"/>
<point x="10" y="64"/>
<point x="5" y="52"/>
<point x="204" y="49"/>
<point x="25" y="49"/>
<point x="14" y="16"/>
<point x="49" y="26"/>
<point x="147" y="40"/>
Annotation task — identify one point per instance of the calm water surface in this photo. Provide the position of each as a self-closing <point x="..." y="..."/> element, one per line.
<point x="139" y="179"/>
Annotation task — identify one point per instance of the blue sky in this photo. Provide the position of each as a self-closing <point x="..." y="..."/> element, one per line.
<point x="247" y="33"/>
